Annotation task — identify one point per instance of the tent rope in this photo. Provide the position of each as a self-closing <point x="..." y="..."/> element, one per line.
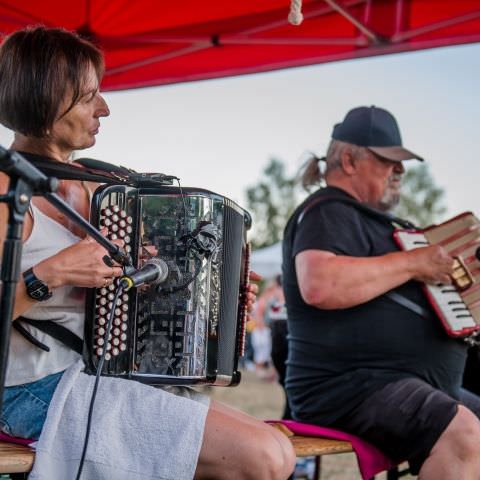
<point x="295" y="16"/>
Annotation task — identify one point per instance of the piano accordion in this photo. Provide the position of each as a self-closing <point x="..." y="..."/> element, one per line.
<point x="457" y="305"/>
<point x="190" y="329"/>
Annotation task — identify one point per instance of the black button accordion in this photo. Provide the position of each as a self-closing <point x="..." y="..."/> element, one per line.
<point x="189" y="329"/>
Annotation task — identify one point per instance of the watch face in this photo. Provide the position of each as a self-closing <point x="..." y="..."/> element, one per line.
<point x="38" y="291"/>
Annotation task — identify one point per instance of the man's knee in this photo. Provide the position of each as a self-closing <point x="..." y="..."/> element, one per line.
<point x="462" y="436"/>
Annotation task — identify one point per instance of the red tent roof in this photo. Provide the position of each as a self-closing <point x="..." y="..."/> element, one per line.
<point x="156" y="42"/>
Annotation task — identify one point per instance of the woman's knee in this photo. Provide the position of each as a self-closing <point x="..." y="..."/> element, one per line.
<point x="242" y="447"/>
<point x="274" y="455"/>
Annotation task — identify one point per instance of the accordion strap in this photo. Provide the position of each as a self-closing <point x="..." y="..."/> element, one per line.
<point x="55" y="330"/>
<point x="407" y="303"/>
<point x="372" y="212"/>
<point x="89" y="170"/>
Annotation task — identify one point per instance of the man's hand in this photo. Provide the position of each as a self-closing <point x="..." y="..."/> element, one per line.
<point x="431" y="265"/>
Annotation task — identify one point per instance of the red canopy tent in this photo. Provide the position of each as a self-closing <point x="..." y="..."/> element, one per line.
<point x="156" y="42"/>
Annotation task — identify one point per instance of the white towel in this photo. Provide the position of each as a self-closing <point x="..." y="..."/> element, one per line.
<point x="138" y="432"/>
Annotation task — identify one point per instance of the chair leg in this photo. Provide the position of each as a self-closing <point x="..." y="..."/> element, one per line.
<point x="318" y="468"/>
<point x="396" y="473"/>
<point x="393" y="474"/>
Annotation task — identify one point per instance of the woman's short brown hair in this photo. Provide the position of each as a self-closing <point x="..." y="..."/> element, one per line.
<point x="39" y="66"/>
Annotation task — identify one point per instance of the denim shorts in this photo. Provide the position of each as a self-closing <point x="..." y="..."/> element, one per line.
<point x="25" y="407"/>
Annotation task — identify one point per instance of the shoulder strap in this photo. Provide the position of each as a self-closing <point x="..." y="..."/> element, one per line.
<point x="372" y="212"/>
<point x="55" y="330"/>
<point x="90" y="170"/>
<point x="407" y="303"/>
<point x="27" y="335"/>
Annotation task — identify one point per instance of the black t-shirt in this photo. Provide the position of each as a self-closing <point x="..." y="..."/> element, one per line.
<point x="337" y="358"/>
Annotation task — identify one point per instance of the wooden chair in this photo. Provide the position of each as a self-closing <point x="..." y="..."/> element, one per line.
<point x="16" y="460"/>
<point x="318" y="447"/>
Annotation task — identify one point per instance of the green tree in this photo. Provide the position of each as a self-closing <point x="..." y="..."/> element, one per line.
<point x="271" y="201"/>
<point x="421" y="201"/>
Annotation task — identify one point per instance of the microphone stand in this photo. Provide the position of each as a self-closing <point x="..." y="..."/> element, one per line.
<point x="26" y="181"/>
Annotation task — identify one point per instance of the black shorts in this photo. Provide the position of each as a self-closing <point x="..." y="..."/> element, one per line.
<point x="404" y="420"/>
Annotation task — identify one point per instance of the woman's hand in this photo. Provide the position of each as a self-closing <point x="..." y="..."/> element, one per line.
<point x="252" y="290"/>
<point x="80" y="265"/>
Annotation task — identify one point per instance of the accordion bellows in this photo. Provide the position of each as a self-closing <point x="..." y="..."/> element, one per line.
<point x="190" y="328"/>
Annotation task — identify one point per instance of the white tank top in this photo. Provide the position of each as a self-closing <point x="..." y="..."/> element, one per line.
<point x="26" y="362"/>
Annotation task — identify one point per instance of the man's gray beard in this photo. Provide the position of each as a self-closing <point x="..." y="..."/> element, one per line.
<point x="391" y="197"/>
<point x="389" y="200"/>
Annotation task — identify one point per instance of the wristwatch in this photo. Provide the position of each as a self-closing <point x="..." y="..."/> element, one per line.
<point x="36" y="288"/>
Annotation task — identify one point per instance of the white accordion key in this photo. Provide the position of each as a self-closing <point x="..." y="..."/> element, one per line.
<point x="446" y="299"/>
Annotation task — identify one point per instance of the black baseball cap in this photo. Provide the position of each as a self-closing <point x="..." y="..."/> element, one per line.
<point x="376" y="129"/>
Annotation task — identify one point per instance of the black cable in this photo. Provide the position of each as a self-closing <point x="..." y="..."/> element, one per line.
<point x="97" y="380"/>
<point x="182" y="194"/>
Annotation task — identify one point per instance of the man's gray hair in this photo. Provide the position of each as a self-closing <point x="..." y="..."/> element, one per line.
<point x="311" y="173"/>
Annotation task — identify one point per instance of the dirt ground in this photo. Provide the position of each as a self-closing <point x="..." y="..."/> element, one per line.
<point x="264" y="399"/>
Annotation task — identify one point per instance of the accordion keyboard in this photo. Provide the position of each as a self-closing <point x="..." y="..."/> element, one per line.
<point x="446" y="299"/>
<point x="118" y="225"/>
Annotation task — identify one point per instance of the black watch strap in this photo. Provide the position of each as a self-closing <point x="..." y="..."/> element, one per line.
<point x="36" y="289"/>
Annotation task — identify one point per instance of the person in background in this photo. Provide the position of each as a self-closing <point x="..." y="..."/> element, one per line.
<point x="49" y="97"/>
<point x="359" y="359"/>
<point x="271" y="307"/>
<point x="262" y="347"/>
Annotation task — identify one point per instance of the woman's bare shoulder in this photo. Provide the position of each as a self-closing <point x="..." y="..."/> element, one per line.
<point x="4" y="181"/>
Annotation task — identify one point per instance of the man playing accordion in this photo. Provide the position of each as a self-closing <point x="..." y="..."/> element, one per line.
<point x="360" y="360"/>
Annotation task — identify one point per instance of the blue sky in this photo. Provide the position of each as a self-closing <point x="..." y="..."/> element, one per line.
<point x="220" y="134"/>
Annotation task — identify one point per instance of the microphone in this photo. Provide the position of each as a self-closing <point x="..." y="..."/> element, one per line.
<point x="154" y="271"/>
